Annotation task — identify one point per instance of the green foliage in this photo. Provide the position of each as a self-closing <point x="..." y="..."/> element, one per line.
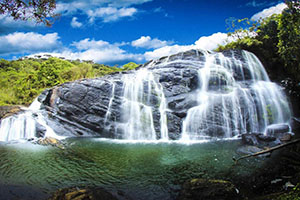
<point x="38" y="10"/>
<point x="130" y="66"/>
<point x="23" y="80"/>
<point x="289" y="37"/>
<point x="292" y="195"/>
<point x="275" y="40"/>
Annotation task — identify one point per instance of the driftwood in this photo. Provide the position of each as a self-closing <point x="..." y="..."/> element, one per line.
<point x="267" y="150"/>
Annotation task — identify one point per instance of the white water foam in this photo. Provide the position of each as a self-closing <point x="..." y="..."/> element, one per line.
<point x="23" y="125"/>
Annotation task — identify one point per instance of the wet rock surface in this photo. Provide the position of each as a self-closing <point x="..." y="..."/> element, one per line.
<point x="95" y="107"/>
<point x="203" y="189"/>
<point x="6" y="111"/>
<point x="49" y="141"/>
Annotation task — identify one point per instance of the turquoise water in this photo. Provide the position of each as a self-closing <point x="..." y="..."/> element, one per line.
<point x="130" y="170"/>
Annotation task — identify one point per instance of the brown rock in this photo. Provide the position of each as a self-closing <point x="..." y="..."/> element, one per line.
<point x="203" y="189"/>
<point x="49" y="141"/>
<point x="6" y="111"/>
<point x="76" y="193"/>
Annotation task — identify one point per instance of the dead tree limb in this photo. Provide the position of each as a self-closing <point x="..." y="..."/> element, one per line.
<point x="267" y="150"/>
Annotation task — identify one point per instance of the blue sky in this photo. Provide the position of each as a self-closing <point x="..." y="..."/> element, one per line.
<point x="118" y="31"/>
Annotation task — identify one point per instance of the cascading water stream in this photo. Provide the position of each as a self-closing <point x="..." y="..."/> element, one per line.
<point x="229" y="105"/>
<point x="142" y="94"/>
<point x="23" y="125"/>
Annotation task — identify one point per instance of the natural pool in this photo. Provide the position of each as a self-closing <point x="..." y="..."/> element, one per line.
<point x="126" y="169"/>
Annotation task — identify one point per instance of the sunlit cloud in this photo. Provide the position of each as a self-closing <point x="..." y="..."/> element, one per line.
<point x="110" y="14"/>
<point x="96" y="50"/>
<point x="75" y="23"/>
<point x="106" y="11"/>
<point x="31" y="42"/>
<point x="205" y="42"/>
<point x="269" y="11"/>
<point x="149" y="43"/>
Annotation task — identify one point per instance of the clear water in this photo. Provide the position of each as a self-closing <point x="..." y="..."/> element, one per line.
<point x="137" y="170"/>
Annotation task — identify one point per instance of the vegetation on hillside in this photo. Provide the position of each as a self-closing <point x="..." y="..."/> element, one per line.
<point x="23" y="80"/>
<point x="275" y="40"/>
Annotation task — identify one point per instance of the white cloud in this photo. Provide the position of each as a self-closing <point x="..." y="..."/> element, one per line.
<point x="101" y="3"/>
<point x="104" y="10"/>
<point x="213" y="41"/>
<point x="101" y="51"/>
<point x="125" y="3"/>
<point x="110" y="53"/>
<point x="109" y="14"/>
<point x="103" y="56"/>
<point x="165" y="51"/>
<point x="8" y="24"/>
<point x="269" y="11"/>
<point x="19" y="42"/>
<point x="205" y="42"/>
<point x="107" y="11"/>
<point x="75" y="23"/>
<point x="98" y="51"/>
<point x="91" y="44"/>
<point x="148" y="43"/>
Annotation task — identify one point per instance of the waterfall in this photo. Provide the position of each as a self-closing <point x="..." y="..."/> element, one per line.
<point x="17" y="127"/>
<point x="23" y="125"/>
<point x="234" y="97"/>
<point x="143" y="94"/>
<point x="108" y="113"/>
<point x="193" y="95"/>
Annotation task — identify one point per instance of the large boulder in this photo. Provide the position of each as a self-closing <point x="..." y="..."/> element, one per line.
<point x="94" y="106"/>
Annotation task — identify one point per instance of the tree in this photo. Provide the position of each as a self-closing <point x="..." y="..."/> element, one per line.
<point x="276" y="41"/>
<point x="42" y="11"/>
<point x="130" y="66"/>
<point x="289" y="37"/>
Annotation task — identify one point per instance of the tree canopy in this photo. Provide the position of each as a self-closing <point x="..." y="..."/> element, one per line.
<point x="41" y="11"/>
<point x="275" y="40"/>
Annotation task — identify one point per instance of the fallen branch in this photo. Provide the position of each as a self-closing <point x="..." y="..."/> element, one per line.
<point x="267" y="150"/>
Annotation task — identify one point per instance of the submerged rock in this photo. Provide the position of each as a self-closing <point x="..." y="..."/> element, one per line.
<point x="250" y="139"/>
<point x="87" y="193"/>
<point x="262" y="140"/>
<point x="49" y="141"/>
<point x="250" y="149"/>
<point x="203" y="189"/>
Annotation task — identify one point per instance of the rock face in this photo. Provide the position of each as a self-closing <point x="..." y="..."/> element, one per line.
<point x="6" y="111"/>
<point x="191" y="95"/>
